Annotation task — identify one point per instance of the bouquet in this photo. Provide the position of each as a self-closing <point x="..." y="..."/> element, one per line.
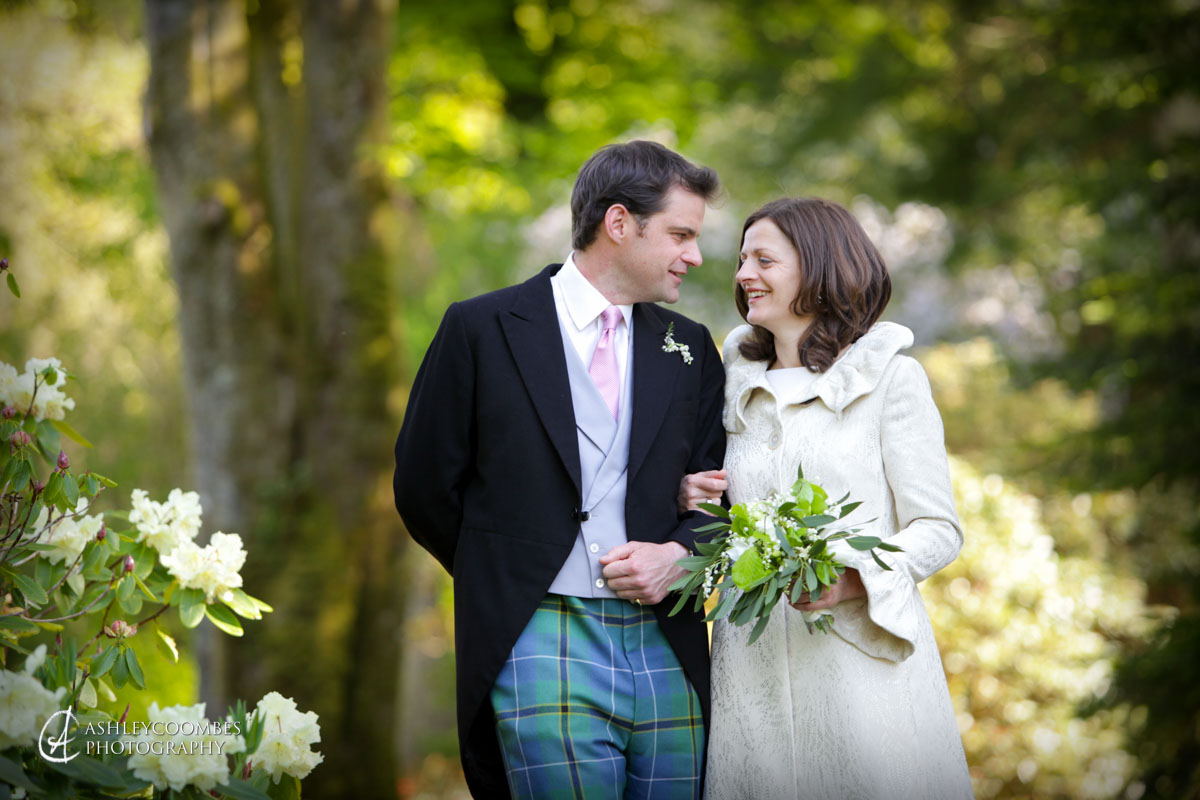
<point x="768" y="548"/>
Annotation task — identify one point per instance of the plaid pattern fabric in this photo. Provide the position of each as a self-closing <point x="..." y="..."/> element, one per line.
<point x="592" y="703"/>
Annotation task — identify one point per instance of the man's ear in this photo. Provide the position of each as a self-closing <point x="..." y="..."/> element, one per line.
<point x="619" y="224"/>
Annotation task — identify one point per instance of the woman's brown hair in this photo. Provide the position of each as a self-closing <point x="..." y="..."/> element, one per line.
<point x="844" y="284"/>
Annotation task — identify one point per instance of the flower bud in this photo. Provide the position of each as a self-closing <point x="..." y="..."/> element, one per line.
<point x="9" y="412"/>
<point x="100" y="534"/>
<point x="64" y="463"/>
<point x="20" y="438"/>
<point x="3" y="264"/>
<point x="119" y="629"/>
<point x="128" y="564"/>
<point x="38" y="486"/>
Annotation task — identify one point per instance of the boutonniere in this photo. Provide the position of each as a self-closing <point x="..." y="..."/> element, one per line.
<point x="672" y="346"/>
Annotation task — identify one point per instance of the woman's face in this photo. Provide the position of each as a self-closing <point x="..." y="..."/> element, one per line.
<point x="770" y="276"/>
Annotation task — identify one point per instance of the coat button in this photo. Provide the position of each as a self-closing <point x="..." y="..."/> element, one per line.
<point x="775" y="439"/>
<point x="595" y="548"/>
<point x="599" y="583"/>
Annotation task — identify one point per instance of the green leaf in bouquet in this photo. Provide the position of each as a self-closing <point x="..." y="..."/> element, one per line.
<point x="799" y="472"/>
<point x="223" y="618"/>
<point x="880" y="562"/>
<point x="891" y="548"/>
<point x="803" y="491"/>
<point x="864" y="542"/>
<point x="105" y="661"/>
<point x="810" y="580"/>
<point x="681" y="602"/>
<point x="786" y="508"/>
<point x="693" y="563"/>
<point x="819" y="498"/>
<point x="849" y="507"/>
<point x="759" y="627"/>
<point x="135" y="669"/>
<point x="817" y="520"/>
<point x="723" y="607"/>
<point x="191" y="607"/>
<point x="715" y="526"/>
<point x="781" y="535"/>
<point x="34" y="594"/>
<point x="749" y="570"/>
<point x="796" y="590"/>
<point x="714" y="509"/>
<point x="840" y="500"/>
<point x="816" y="593"/>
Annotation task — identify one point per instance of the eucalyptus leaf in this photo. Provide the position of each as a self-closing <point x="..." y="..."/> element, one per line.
<point x="863" y="542"/>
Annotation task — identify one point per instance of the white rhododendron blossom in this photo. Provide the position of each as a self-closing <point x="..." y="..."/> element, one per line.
<point x="17" y="390"/>
<point x="212" y="568"/>
<point x="288" y="736"/>
<point x="195" y="754"/>
<point x="68" y="536"/>
<point x="25" y="704"/>
<point x="164" y="526"/>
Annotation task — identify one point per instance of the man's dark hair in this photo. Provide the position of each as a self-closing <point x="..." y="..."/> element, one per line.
<point x="637" y="175"/>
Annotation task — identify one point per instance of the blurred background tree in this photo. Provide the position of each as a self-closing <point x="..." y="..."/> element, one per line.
<point x="331" y="176"/>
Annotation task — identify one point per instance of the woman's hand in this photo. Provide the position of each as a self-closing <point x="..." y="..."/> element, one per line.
<point x="847" y="587"/>
<point x="701" y="487"/>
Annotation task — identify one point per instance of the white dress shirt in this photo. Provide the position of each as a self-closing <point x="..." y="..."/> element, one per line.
<point x="579" y="306"/>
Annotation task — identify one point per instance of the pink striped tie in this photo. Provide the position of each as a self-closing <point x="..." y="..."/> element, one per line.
<point x="603" y="368"/>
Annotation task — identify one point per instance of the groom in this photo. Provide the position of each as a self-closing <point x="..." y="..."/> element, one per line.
<point x="539" y="461"/>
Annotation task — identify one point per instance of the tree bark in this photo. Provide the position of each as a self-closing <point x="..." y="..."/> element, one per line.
<point x="274" y="213"/>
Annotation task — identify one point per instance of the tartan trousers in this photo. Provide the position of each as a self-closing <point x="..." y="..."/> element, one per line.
<point x="592" y="703"/>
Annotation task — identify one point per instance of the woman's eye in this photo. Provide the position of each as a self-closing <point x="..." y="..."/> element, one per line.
<point x="764" y="261"/>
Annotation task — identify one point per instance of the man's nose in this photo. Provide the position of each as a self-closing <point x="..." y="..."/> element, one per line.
<point x="692" y="256"/>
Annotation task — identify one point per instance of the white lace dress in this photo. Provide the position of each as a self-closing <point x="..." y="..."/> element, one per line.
<point x="863" y="712"/>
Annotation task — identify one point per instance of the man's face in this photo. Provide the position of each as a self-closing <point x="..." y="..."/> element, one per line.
<point x="655" y="258"/>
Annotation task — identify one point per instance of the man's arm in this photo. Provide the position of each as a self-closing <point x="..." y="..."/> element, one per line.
<point x="435" y="448"/>
<point x="644" y="570"/>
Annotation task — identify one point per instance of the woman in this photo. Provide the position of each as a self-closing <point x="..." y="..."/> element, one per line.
<point x="815" y="380"/>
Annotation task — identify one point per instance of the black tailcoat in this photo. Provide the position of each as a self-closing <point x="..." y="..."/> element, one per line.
<point x="488" y="478"/>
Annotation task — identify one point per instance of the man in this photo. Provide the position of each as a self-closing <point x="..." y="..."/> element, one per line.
<point x="541" y="453"/>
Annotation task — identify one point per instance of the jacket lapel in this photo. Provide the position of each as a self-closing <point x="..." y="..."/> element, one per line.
<point x="654" y="376"/>
<point x="531" y="328"/>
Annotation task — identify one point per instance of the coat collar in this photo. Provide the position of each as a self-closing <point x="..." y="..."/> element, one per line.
<point x="856" y="372"/>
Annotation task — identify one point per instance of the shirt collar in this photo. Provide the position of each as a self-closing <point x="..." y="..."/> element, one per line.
<point x="583" y="300"/>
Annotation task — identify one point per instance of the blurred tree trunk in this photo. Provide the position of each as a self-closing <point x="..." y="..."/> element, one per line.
<point x="258" y="124"/>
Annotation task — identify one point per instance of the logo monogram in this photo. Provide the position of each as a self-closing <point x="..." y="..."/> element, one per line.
<point x="61" y="741"/>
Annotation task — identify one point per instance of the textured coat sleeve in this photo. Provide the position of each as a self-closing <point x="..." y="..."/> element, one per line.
<point x="927" y="527"/>
<point x="708" y="450"/>
<point x="434" y="451"/>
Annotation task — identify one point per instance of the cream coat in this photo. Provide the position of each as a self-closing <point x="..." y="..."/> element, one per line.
<point x="863" y="712"/>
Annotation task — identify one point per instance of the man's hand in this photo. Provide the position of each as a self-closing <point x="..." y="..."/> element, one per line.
<point x="701" y="487"/>
<point x="643" y="570"/>
<point x="847" y="587"/>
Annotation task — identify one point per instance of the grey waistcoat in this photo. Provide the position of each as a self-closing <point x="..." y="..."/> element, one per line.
<point x="603" y="462"/>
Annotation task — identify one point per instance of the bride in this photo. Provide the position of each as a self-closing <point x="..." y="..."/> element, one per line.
<point x="815" y="381"/>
